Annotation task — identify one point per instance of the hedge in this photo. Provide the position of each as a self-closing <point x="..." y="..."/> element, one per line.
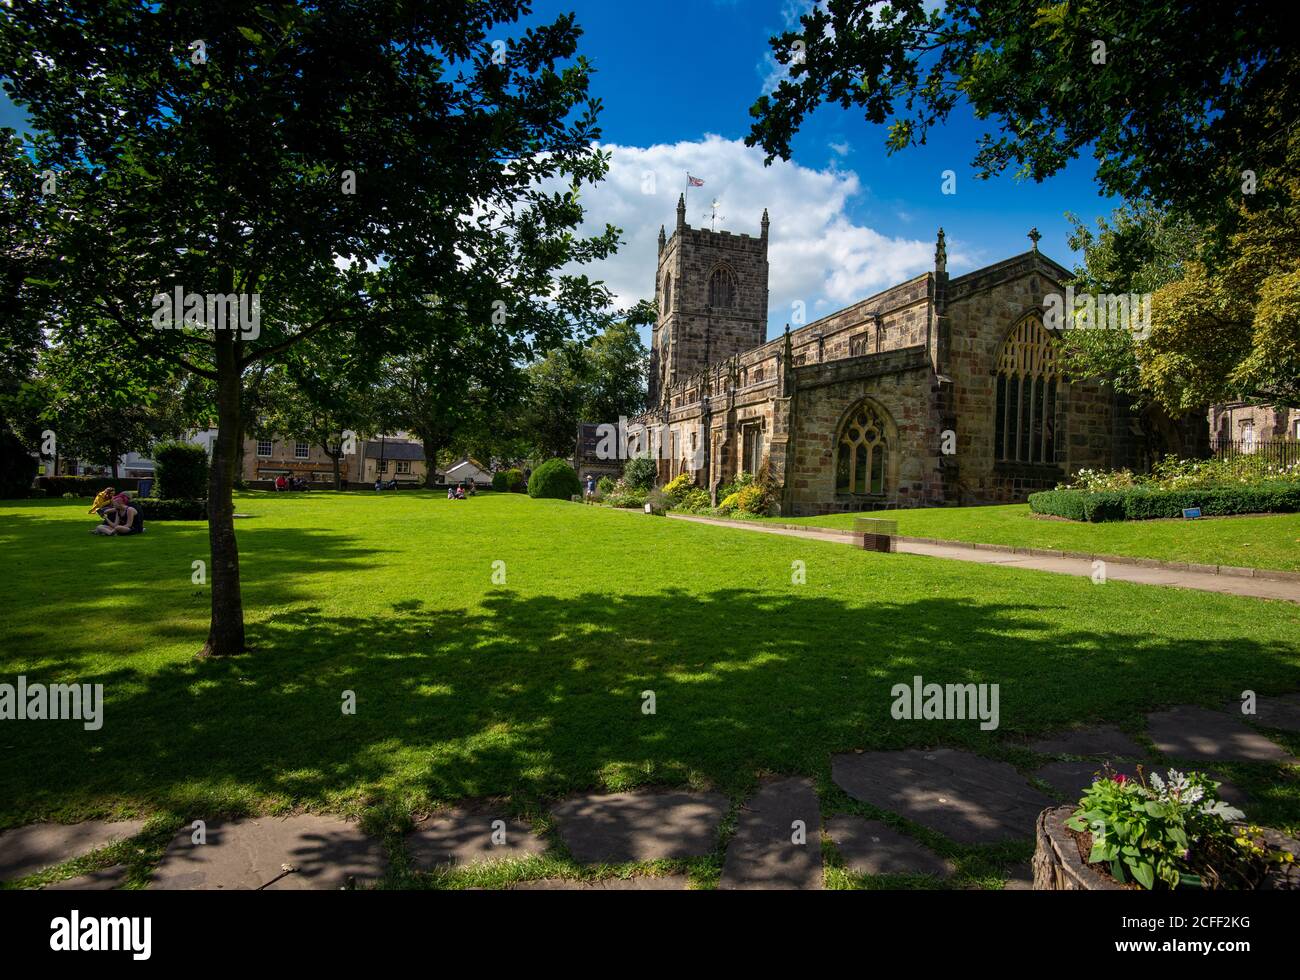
<point x="1141" y="504"/>
<point x="508" y="481"/>
<point x="554" y="479"/>
<point x="173" y="509"/>
<point x="181" y="469"/>
<point x="17" y="467"/>
<point x="84" y="486"/>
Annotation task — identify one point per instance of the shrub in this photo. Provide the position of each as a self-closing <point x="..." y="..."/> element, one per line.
<point x="729" y="503"/>
<point x="752" y="499"/>
<point x="81" y="486"/>
<point x="695" y="501"/>
<point x="554" y="480"/>
<point x="742" y="480"/>
<point x="606" y="485"/>
<point x="181" y="470"/>
<point x="678" y="487"/>
<point x="17" y="467"/>
<point x="623" y="495"/>
<point x="1169" y="833"/>
<point x="500" y="482"/>
<point x="641" y="472"/>
<point x="1143" y="503"/>
<point x="660" y="503"/>
<point x="508" y="481"/>
<point x="164" y="509"/>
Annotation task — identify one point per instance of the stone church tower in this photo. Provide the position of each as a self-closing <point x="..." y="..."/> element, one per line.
<point x="712" y="292"/>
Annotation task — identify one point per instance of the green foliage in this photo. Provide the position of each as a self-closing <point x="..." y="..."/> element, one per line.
<point x="17" y="467"/>
<point x="742" y="480"/>
<point x="696" y="501"/>
<point x="623" y="494"/>
<point x="660" y="503"/>
<point x="79" y="486"/>
<point x="555" y="479"/>
<point x="1180" y="101"/>
<point x="172" y="509"/>
<point x="181" y="470"/>
<point x="641" y="472"/>
<point x="606" y="485"/>
<point x="1141" y="503"/>
<point x="678" y="487"/>
<point x="512" y="480"/>
<point x="1170" y="833"/>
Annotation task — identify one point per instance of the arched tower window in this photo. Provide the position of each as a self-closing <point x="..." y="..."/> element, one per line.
<point x="722" y="289"/>
<point x="668" y="293"/>
<point x="862" y="452"/>
<point x="1027" y="377"/>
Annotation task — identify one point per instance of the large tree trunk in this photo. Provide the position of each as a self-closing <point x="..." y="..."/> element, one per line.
<point x="338" y="475"/>
<point x="226" y="632"/>
<point x="430" y="459"/>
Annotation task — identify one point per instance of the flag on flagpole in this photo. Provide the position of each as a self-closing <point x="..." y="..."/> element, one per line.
<point x="694" y="181"/>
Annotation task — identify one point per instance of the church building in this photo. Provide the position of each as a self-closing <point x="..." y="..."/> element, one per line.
<point x="936" y="390"/>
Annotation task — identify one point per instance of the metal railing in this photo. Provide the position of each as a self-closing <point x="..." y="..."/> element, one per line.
<point x="1281" y="452"/>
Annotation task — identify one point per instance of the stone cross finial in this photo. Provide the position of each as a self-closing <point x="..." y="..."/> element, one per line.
<point x="1034" y="236"/>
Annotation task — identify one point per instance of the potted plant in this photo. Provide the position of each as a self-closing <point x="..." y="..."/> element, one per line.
<point x="1158" y="833"/>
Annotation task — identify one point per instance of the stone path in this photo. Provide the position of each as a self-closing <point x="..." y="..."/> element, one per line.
<point x="641" y="826"/>
<point x="301" y="852"/>
<point x="27" y="850"/>
<point x="778" y="839"/>
<point x="871" y="847"/>
<point x="1199" y="734"/>
<point x="966" y="797"/>
<point x="1262" y="588"/>
<point x="464" y="836"/>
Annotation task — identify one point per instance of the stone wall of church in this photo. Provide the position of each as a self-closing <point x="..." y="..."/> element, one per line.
<point x="1091" y="426"/>
<point x="900" y="383"/>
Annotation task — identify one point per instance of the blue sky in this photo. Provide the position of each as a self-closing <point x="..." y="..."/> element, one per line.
<point x="677" y="78"/>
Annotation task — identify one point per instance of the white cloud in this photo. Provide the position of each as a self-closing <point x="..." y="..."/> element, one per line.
<point x="816" y="252"/>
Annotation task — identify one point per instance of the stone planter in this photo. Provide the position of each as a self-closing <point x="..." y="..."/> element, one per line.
<point x="1057" y="865"/>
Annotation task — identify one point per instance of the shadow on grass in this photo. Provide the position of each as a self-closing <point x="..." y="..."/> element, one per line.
<point x="534" y="697"/>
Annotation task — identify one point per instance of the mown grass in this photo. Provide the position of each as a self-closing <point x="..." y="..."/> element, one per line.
<point x="1265" y="541"/>
<point x="530" y="687"/>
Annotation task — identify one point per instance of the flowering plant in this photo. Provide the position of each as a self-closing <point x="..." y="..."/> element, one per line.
<point x="1174" y="831"/>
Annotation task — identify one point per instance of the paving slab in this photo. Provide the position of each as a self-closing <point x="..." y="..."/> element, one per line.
<point x="26" y="850"/>
<point x="965" y="797"/>
<point x="470" y="835"/>
<point x="764" y="852"/>
<point x="872" y="847"/>
<point x="302" y="852"/>
<point x="1101" y="740"/>
<point x="640" y="826"/>
<point x="1283" y="712"/>
<point x="104" y="879"/>
<point x="639" y="883"/>
<point x="1192" y="732"/>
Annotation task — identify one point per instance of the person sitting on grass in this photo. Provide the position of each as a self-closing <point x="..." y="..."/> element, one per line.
<point x="121" y="518"/>
<point x="460" y="491"/>
<point x="281" y="484"/>
<point x="451" y="493"/>
<point x="102" y="500"/>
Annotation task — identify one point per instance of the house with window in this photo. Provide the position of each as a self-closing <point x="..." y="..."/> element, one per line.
<point x="397" y="458"/>
<point x="269" y="456"/>
<point x="940" y="389"/>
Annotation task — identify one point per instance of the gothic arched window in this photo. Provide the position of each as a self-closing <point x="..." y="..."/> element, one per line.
<point x="722" y="289"/>
<point x="862" y="452"/>
<point x="668" y="293"/>
<point x="1024" y="427"/>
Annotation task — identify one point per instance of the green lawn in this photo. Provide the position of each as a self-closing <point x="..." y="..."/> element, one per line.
<point x="1271" y="541"/>
<point x="532" y="688"/>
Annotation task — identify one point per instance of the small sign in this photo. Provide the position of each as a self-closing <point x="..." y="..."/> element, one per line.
<point x="1191" y="512"/>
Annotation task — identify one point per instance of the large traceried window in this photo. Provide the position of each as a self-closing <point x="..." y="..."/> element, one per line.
<point x="861" y="452"/>
<point x="668" y="293"/>
<point x="722" y="289"/>
<point x="1024" y="428"/>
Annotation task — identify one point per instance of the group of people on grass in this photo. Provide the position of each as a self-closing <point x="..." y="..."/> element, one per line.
<point x="117" y="514"/>
<point x="459" y="492"/>
<point x="286" y="483"/>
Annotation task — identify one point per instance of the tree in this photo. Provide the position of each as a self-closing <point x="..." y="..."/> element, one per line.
<point x="321" y="396"/>
<point x="1179" y="105"/>
<point x="297" y="169"/>
<point x="599" y="381"/>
